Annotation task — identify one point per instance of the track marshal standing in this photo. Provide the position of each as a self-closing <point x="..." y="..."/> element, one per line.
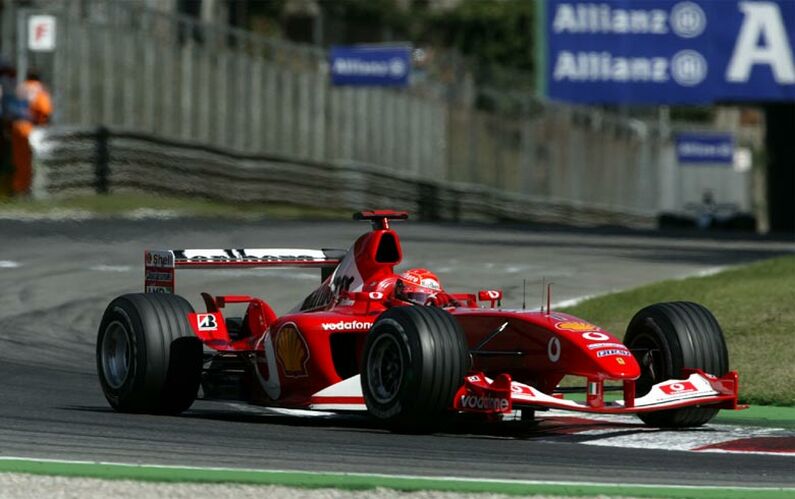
<point x="34" y="109"/>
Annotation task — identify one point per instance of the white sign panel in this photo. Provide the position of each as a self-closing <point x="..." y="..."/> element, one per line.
<point x="41" y="33"/>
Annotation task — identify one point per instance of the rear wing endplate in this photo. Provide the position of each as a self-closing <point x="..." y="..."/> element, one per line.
<point x="160" y="265"/>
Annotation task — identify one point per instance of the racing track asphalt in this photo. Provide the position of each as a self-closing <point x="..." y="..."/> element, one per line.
<point x="57" y="277"/>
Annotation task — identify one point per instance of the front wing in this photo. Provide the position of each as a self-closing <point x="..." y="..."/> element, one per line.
<point x="502" y="395"/>
<point x="480" y="394"/>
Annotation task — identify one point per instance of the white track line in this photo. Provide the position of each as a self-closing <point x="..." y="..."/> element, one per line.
<point x="8" y="264"/>
<point x="706" y="272"/>
<point x="79" y="215"/>
<point x="57" y="215"/>
<point x="576" y="301"/>
<point x="111" y="268"/>
<point x="385" y="475"/>
<point x="700" y="273"/>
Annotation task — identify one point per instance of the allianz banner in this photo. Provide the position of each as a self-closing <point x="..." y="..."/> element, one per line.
<point x="374" y="65"/>
<point x="670" y="52"/>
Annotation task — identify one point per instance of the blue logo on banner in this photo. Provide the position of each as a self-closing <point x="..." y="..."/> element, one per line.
<point x="374" y="66"/>
<point x="704" y="148"/>
<point x="670" y="52"/>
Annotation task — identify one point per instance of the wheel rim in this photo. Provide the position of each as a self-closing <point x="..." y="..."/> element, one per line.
<point x="646" y="349"/>
<point x="385" y="369"/>
<point x="115" y="355"/>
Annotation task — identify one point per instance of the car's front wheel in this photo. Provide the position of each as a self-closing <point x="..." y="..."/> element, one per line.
<point x="148" y="358"/>
<point x="414" y="360"/>
<point x="668" y="337"/>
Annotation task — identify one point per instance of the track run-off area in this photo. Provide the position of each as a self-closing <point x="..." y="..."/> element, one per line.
<point x="58" y="276"/>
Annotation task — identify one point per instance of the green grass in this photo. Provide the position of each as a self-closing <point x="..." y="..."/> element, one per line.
<point x="755" y="305"/>
<point x="766" y="416"/>
<point x="124" y="204"/>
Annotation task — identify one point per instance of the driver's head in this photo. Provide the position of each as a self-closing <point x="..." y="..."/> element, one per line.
<point x="418" y="285"/>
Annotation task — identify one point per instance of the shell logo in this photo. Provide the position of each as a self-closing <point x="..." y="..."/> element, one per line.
<point x="291" y="350"/>
<point x="576" y="326"/>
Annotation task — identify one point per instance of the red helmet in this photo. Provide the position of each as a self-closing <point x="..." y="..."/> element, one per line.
<point x="418" y="286"/>
<point x="422" y="278"/>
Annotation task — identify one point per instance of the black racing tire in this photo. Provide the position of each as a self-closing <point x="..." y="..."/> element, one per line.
<point x="148" y="359"/>
<point x="668" y="337"/>
<point x="414" y="360"/>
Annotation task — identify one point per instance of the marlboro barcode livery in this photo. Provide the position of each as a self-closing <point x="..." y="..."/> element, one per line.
<point x="398" y="345"/>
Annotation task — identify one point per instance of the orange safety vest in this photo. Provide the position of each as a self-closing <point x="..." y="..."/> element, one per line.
<point x="38" y="99"/>
<point x="39" y="112"/>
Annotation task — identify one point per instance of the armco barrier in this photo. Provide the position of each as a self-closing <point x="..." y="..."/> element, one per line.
<point x="72" y="161"/>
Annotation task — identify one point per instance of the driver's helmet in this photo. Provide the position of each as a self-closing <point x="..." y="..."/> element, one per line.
<point x="418" y="286"/>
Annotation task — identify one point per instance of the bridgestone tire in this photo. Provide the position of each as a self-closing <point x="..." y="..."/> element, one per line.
<point x="414" y="361"/>
<point x="148" y="358"/>
<point x="668" y="337"/>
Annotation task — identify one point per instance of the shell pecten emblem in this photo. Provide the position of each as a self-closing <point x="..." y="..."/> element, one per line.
<point x="292" y="351"/>
<point x="576" y="326"/>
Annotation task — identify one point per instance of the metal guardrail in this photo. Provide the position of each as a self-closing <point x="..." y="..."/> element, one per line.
<point x="73" y="161"/>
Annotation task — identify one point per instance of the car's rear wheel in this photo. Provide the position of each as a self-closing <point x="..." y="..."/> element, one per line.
<point x="414" y="360"/>
<point x="148" y="359"/>
<point x="666" y="338"/>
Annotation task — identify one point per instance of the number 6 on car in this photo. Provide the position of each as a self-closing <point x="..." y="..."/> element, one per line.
<point x="398" y="345"/>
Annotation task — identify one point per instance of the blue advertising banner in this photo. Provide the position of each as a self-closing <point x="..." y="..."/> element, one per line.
<point x="705" y="148"/>
<point x="669" y="51"/>
<point x="370" y="65"/>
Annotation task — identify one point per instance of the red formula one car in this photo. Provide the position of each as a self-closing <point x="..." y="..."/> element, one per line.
<point x="399" y="346"/>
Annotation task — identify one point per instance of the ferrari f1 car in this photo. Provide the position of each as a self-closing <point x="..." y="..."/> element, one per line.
<point x="399" y="346"/>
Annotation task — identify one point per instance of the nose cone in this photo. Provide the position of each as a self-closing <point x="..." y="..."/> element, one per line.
<point x="619" y="364"/>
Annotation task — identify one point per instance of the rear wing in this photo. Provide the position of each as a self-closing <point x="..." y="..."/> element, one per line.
<point x="160" y="265"/>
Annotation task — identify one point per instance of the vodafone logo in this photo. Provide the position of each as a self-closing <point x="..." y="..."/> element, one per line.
<point x="483" y="403"/>
<point x="346" y="326"/>
<point x="595" y="336"/>
<point x="678" y="387"/>
<point x="553" y="349"/>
